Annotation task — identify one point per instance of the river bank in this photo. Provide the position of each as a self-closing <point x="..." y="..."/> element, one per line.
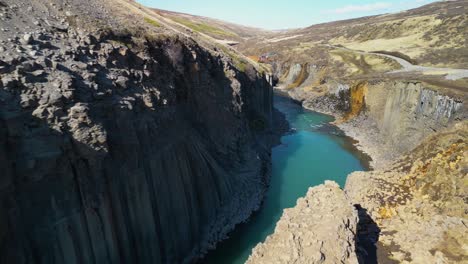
<point x="312" y="152"/>
<point x="388" y="118"/>
<point x="363" y="133"/>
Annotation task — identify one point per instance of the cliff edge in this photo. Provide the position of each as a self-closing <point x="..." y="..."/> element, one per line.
<point x="419" y="203"/>
<point x="316" y="230"/>
<point x="412" y="211"/>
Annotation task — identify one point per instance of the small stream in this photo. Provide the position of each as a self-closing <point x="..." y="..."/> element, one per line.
<point x="314" y="151"/>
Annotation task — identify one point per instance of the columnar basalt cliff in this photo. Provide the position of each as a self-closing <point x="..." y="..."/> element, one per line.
<point x="387" y="116"/>
<point x="122" y="145"/>
<point x="398" y="115"/>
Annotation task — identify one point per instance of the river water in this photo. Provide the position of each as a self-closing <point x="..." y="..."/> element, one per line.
<point x="314" y="151"/>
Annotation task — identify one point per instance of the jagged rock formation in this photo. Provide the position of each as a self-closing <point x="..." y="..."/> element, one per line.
<point x="314" y="231"/>
<point x="119" y="144"/>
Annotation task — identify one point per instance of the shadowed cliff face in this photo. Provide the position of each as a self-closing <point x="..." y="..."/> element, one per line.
<point x="127" y="155"/>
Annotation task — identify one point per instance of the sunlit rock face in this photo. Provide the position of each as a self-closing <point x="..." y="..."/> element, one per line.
<point x="321" y="228"/>
<point x="412" y="112"/>
<point x="394" y="115"/>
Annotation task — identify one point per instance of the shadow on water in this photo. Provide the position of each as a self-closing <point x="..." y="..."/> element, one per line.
<point x="312" y="152"/>
<point x="347" y="143"/>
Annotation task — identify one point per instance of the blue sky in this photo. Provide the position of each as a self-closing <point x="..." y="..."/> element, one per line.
<point x="282" y="14"/>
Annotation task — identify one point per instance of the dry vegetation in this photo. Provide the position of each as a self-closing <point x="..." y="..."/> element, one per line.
<point x="432" y="35"/>
<point x="364" y="63"/>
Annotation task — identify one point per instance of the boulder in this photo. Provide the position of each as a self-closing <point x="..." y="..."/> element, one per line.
<point x="27" y="39"/>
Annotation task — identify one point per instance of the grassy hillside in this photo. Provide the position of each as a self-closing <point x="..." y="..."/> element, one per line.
<point x="220" y="30"/>
<point x="432" y="35"/>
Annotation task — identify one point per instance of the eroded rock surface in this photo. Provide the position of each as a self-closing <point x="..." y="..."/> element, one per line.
<point x="419" y="203"/>
<point x="321" y="228"/>
<point x="412" y="211"/>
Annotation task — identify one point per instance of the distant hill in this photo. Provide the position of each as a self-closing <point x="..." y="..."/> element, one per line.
<point x="433" y="35"/>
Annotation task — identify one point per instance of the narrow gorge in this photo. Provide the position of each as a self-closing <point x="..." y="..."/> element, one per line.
<point x="303" y="159"/>
<point x="130" y="134"/>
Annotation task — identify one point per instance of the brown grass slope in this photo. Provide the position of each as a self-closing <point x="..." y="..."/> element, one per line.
<point x="221" y="30"/>
<point x="434" y="34"/>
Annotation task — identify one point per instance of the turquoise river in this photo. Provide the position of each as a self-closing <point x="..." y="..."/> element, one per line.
<point x="314" y="151"/>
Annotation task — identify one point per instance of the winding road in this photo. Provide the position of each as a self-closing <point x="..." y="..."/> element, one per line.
<point x="450" y="74"/>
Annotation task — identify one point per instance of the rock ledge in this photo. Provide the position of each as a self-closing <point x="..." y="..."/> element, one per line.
<point x="319" y="229"/>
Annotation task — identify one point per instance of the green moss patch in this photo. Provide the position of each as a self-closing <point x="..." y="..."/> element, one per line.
<point x="203" y="28"/>
<point x="152" y="22"/>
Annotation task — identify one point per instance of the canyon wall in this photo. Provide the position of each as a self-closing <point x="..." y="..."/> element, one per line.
<point x="398" y="115"/>
<point x="120" y="148"/>
<point x="394" y="115"/>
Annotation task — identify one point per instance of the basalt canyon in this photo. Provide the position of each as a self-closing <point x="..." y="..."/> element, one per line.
<point x="130" y="134"/>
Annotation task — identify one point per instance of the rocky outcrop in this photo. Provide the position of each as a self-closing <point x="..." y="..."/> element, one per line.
<point x="118" y="147"/>
<point x="316" y="230"/>
<point x="413" y="211"/>
<point x="419" y="203"/>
